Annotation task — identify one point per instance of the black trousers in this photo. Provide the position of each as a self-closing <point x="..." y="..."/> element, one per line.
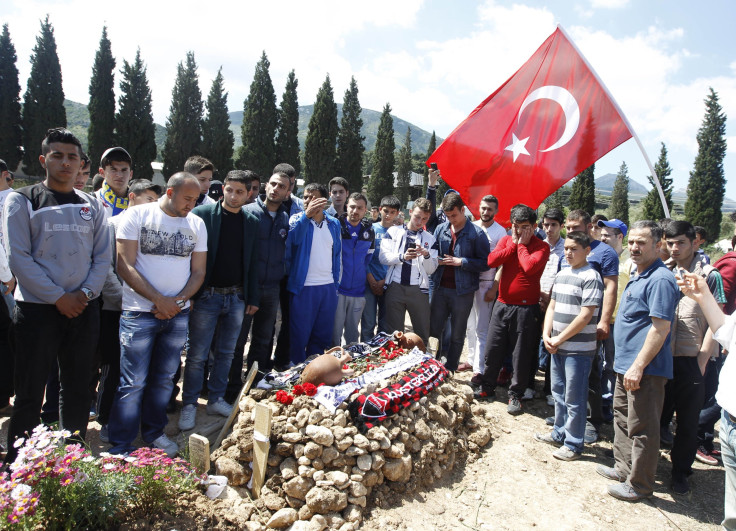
<point x="513" y="330"/>
<point x="109" y="363"/>
<point x="684" y="394"/>
<point x="282" y="355"/>
<point x="6" y="355"/>
<point x="41" y="334"/>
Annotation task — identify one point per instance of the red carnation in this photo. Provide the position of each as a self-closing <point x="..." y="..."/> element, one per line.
<point x="298" y="390"/>
<point x="309" y="389"/>
<point x="284" y="397"/>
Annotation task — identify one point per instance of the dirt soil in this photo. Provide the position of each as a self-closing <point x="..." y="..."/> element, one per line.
<point x="514" y="484"/>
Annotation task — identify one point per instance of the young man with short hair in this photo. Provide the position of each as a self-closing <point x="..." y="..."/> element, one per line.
<point x="692" y="346"/>
<point x="293" y="205"/>
<point x="228" y="292"/>
<point x="463" y="250"/>
<point x="203" y="170"/>
<point x="162" y="259"/>
<point x="339" y="191"/>
<point x="701" y="237"/>
<point x="375" y="214"/>
<point x="485" y="296"/>
<point x="516" y="320"/>
<point x="313" y="252"/>
<point x="643" y="365"/>
<point x="59" y="249"/>
<point x="140" y="192"/>
<point x="375" y="300"/>
<point x="358" y="241"/>
<point x="115" y="167"/>
<point x="255" y="187"/>
<point x="410" y="253"/>
<point x="83" y="176"/>
<point x="569" y="336"/>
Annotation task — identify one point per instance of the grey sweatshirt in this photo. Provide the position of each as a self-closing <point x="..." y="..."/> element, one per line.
<point x="56" y="243"/>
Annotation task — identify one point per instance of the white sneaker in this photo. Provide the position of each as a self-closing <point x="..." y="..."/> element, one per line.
<point x="219" y="408"/>
<point x="167" y="445"/>
<point x="187" y="417"/>
<point x="528" y="394"/>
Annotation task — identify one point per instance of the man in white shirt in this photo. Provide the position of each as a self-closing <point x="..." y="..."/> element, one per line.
<point x="480" y="314"/>
<point x="162" y="256"/>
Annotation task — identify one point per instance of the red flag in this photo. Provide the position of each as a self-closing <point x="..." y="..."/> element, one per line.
<point x="551" y="120"/>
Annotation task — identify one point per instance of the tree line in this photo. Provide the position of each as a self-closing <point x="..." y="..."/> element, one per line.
<point x="269" y="133"/>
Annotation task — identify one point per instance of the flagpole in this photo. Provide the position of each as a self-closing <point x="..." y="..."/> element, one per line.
<point x="626" y="121"/>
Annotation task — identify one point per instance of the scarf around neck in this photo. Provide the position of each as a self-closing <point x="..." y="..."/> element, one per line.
<point x="118" y="204"/>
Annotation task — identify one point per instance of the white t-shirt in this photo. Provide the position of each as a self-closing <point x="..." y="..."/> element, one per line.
<point x="495" y="232"/>
<point x="320" y="256"/>
<point x="165" y="246"/>
<point x="3" y="196"/>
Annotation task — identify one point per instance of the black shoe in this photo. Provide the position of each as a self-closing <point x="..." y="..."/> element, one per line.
<point x="484" y="396"/>
<point x="680" y="485"/>
<point x="514" y="407"/>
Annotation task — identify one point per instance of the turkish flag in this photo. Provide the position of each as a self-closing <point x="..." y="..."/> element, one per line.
<point x="551" y="120"/>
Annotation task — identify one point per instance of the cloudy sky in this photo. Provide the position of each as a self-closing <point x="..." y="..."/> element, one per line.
<point x="433" y="60"/>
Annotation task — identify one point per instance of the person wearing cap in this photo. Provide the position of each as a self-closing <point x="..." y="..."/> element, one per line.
<point x="115" y="167"/>
<point x="613" y="233"/>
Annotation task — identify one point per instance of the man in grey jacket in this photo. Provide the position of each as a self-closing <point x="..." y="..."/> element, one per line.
<point x="58" y="248"/>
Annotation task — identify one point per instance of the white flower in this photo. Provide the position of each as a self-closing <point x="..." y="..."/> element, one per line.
<point x="109" y="466"/>
<point x="19" y="442"/>
<point x="20" y="491"/>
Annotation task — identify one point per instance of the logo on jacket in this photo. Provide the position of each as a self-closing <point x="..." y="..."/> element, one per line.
<point x="85" y="213"/>
<point x="283" y="233"/>
<point x="366" y="235"/>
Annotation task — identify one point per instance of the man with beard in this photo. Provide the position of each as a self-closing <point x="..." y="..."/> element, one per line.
<point x="229" y="290"/>
<point x="485" y="296"/>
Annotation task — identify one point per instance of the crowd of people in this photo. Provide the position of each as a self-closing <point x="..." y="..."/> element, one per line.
<point x="106" y="292"/>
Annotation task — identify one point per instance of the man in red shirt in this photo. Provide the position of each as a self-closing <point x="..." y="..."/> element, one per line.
<point x="516" y="321"/>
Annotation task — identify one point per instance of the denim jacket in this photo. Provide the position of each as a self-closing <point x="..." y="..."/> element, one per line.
<point x="472" y="247"/>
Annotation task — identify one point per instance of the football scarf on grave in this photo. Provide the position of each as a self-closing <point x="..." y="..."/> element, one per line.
<point x="370" y="409"/>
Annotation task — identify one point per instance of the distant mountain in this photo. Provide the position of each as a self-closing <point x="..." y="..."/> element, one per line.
<point x="604" y="185"/>
<point x="371" y="120"/>
<point x="77" y="117"/>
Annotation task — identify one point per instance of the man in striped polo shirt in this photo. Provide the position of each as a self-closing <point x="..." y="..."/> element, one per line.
<point x="570" y="337"/>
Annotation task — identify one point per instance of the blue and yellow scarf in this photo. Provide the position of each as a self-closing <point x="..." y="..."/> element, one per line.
<point x="118" y="204"/>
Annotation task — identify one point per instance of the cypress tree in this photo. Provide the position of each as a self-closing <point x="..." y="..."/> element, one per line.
<point x="403" y="170"/>
<point x="287" y="143"/>
<point x="430" y="149"/>
<point x="260" y="121"/>
<point x="582" y="195"/>
<point x="11" y="132"/>
<point x="381" y="182"/>
<point x="555" y="200"/>
<point x="217" y="138"/>
<point x="43" y="102"/>
<point x="620" y="196"/>
<point x="652" y="204"/>
<point x="707" y="184"/>
<point x="134" y="128"/>
<point x="101" y="102"/>
<point x="320" y="148"/>
<point x="184" y="124"/>
<point x="349" y="141"/>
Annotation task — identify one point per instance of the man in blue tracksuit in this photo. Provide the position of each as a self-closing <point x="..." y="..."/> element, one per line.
<point x="313" y="250"/>
<point x="358" y="244"/>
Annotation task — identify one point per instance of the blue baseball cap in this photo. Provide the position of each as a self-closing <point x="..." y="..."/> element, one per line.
<point x="614" y="224"/>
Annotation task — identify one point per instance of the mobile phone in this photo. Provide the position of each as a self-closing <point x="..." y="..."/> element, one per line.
<point x="433" y="165"/>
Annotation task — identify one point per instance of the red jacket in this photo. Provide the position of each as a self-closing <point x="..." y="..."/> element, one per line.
<point x="523" y="266"/>
<point x="726" y="264"/>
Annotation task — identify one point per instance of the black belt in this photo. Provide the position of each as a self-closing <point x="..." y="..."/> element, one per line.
<point x="227" y="291"/>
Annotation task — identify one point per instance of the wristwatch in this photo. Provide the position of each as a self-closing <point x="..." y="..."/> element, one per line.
<point x="88" y="293"/>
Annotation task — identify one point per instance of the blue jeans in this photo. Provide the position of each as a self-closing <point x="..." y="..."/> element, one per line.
<point x="728" y="454"/>
<point x="211" y="311"/>
<point x="373" y="311"/>
<point x="447" y="304"/>
<point x="150" y="352"/>
<point x="570" y="391"/>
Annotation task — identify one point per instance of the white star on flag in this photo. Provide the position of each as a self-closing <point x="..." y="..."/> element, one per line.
<point x="517" y="146"/>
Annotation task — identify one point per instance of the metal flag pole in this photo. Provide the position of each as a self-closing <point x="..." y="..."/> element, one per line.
<point x="626" y="121"/>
